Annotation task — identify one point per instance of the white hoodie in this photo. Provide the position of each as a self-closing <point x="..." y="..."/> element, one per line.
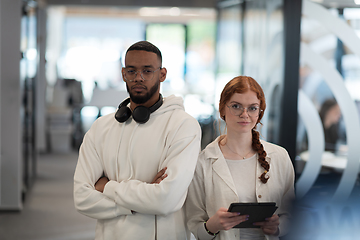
<point x="130" y="155"/>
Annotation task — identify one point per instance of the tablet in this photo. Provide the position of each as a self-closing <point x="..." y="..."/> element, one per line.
<point x="257" y="212"/>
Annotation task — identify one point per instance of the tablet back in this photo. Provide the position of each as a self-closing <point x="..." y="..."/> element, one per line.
<point x="257" y="212"/>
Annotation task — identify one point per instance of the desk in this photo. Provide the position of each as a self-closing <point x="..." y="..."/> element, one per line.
<point x="329" y="160"/>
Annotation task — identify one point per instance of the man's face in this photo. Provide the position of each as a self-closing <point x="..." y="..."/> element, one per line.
<point x="141" y="91"/>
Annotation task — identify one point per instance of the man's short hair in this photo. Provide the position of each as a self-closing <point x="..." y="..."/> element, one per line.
<point x="145" y="46"/>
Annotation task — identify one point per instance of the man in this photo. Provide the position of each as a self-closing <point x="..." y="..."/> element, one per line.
<point x="134" y="168"/>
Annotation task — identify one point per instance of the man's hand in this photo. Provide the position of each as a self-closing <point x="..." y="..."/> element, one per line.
<point x="161" y="175"/>
<point x="270" y="226"/>
<point x="100" y="184"/>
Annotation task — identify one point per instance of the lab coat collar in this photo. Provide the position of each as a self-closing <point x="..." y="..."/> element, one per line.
<point x="220" y="167"/>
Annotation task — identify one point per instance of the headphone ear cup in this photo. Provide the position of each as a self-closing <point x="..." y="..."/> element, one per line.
<point x="122" y="114"/>
<point x="141" y="114"/>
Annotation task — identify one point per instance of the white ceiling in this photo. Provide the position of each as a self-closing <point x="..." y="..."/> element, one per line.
<point x="337" y="3"/>
<point x="182" y="3"/>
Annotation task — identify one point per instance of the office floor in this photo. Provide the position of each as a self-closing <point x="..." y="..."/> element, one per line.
<point x="48" y="212"/>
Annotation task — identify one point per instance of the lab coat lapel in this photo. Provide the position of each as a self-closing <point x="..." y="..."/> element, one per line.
<point x="221" y="168"/>
<point x="219" y="164"/>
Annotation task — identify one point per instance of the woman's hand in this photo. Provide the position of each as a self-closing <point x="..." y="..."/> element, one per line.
<point x="270" y="226"/>
<point x="161" y="175"/>
<point x="224" y="220"/>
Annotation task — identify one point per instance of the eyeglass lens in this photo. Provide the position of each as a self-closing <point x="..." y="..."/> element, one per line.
<point x="237" y="110"/>
<point x="145" y="74"/>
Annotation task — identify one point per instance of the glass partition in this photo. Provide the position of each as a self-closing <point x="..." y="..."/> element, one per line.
<point x="327" y="163"/>
<point x="229" y="44"/>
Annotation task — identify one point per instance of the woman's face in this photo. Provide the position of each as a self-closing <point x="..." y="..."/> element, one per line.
<point x="242" y="121"/>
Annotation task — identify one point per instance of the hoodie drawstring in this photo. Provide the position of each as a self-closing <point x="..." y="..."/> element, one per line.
<point x="130" y="151"/>
<point x="117" y="153"/>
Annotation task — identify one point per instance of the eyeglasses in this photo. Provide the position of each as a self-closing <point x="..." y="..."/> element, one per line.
<point x="237" y="110"/>
<point x="146" y="74"/>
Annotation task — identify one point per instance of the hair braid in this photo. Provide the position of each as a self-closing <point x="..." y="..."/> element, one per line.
<point x="258" y="147"/>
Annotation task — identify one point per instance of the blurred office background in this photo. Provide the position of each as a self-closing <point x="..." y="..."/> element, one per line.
<point x="60" y="70"/>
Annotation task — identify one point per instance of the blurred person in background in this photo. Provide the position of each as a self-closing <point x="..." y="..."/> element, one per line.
<point x="330" y="115"/>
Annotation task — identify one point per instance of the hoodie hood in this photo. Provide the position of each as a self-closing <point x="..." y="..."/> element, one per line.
<point x="170" y="103"/>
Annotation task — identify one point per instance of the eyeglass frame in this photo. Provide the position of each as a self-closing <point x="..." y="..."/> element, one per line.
<point x="247" y="112"/>
<point x="141" y="74"/>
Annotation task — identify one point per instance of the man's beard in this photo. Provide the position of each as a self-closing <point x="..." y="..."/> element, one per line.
<point x="148" y="95"/>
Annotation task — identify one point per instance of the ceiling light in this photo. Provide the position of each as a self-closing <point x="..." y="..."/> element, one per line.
<point x="174" y="11"/>
<point x="149" y="11"/>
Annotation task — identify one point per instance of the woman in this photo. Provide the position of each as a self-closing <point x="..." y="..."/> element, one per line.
<point x="239" y="167"/>
<point x="330" y="115"/>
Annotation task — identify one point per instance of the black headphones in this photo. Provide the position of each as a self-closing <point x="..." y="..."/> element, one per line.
<point x="140" y="114"/>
